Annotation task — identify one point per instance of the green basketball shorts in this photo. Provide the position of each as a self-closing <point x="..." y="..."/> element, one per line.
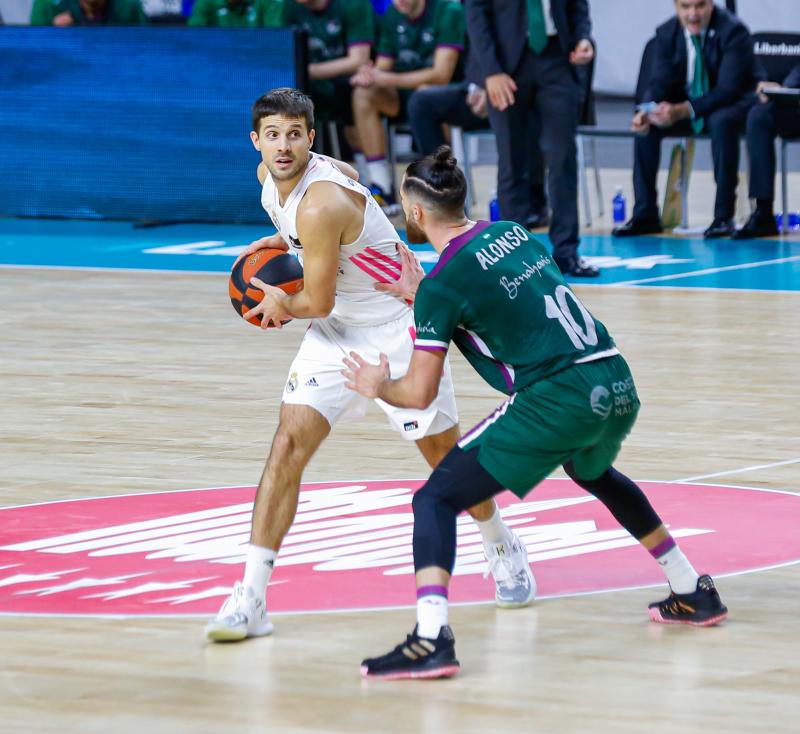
<point x="581" y="414"/>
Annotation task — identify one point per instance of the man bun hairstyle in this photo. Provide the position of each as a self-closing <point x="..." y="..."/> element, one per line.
<point x="283" y="101"/>
<point x="438" y="181"/>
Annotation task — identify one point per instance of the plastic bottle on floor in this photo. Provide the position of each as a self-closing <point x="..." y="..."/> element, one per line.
<point x="494" y="208"/>
<point x="618" y="207"/>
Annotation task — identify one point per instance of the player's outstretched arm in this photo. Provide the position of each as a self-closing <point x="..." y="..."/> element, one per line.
<point x="416" y="389"/>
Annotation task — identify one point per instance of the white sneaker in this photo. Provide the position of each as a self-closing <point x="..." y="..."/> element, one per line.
<point x="242" y="615"/>
<point x="515" y="585"/>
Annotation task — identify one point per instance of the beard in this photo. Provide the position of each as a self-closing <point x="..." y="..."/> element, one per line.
<point x="415" y="235"/>
<point x="284" y="174"/>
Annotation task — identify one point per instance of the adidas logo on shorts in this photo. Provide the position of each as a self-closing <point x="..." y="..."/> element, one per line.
<point x="312" y="382"/>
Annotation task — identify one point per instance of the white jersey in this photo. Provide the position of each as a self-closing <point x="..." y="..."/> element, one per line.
<point x="371" y="258"/>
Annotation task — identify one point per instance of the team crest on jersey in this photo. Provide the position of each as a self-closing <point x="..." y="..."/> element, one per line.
<point x="350" y="546"/>
<point x="291" y="383"/>
<point x="600" y="400"/>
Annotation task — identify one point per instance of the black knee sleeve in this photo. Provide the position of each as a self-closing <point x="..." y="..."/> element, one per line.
<point x="623" y="498"/>
<point x="459" y="482"/>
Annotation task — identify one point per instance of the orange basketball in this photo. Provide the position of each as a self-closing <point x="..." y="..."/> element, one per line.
<point x="274" y="267"/>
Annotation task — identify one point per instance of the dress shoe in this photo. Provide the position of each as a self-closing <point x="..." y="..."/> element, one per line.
<point x="538" y="221"/>
<point x="577" y="267"/>
<point x="719" y="228"/>
<point x="635" y="227"/>
<point x="760" y="224"/>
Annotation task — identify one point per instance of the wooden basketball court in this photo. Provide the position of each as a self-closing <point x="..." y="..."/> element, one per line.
<point x="118" y="382"/>
<point x="124" y="382"/>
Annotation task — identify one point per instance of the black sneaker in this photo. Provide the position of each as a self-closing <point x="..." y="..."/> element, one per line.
<point x="417" y="657"/>
<point x="701" y="608"/>
<point x="386" y="200"/>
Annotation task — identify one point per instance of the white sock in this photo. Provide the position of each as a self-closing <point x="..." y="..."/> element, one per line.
<point x="361" y="166"/>
<point x="494" y="531"/>
<point x="679" y="572"/>
<point x="379" y="174"/>
<point x="258" y="568"/>
<point x="431" y="612"/>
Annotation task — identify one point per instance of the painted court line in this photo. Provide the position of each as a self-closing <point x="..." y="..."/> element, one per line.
<point x="685" y="288"/>
<point x="707" y="271"/>
<point x="110" y="269"/>
<point x="739" y="471"/>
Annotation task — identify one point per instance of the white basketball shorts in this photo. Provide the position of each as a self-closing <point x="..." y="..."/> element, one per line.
<point x="316" y="380"/>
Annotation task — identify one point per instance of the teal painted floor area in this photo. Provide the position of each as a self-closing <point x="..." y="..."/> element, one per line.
<point x="641" y="261"/>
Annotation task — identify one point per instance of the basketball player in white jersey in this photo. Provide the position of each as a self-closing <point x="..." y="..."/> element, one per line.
<point x="353" y="295"/>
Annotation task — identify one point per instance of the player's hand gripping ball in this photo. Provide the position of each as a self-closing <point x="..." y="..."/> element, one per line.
<point x="274" y="267"/>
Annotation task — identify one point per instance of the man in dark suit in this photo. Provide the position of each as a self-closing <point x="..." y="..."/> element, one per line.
<point x="527" y="51"/>
<point x="465" y="104"/>
<point x="764" y="122"/>
<point x="703" y="81"/>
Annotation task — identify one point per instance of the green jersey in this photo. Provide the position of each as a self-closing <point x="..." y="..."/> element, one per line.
<point x="243" y="14"/>
<point x="412" y="43"/>
<point x="332" y="30"/>
<point x="117" y="12"/>
<point x="497" y="294"/>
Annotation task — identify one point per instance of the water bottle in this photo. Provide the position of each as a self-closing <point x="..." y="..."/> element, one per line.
<point x="618" y="206"/>
<point x="494" y="208"/>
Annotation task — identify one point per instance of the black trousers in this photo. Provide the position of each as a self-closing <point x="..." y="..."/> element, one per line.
<point x="430" y="108"/>
<point x="764" y="123"/>
<point x="724" y="126"/>
<point x="547" y="99"/>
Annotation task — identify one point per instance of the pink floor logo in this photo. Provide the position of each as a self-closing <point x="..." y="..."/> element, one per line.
<point x="350" y="547"/>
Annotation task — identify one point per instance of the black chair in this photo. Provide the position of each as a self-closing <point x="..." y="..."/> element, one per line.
<point x="778" y="53"/>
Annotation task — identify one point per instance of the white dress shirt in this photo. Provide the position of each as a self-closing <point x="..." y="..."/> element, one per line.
<point x="690" y="54"/>
<point x="549" y="26"/>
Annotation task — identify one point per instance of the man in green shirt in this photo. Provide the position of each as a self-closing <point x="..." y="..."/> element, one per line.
<point x="87" y="12"/>
<point x="341" y="34"/>
<point x="419" y="44"/>
<point x="237" y="13"/>
<point x="497" y="293"/>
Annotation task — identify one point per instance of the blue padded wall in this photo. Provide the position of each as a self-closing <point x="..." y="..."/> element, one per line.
<point x="135" y="123"/>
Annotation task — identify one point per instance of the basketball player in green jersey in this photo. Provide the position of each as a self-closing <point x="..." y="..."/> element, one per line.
<point x="341" y="34"/>
<point x="237" y="13"/>
<point x="497" y="294"/>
